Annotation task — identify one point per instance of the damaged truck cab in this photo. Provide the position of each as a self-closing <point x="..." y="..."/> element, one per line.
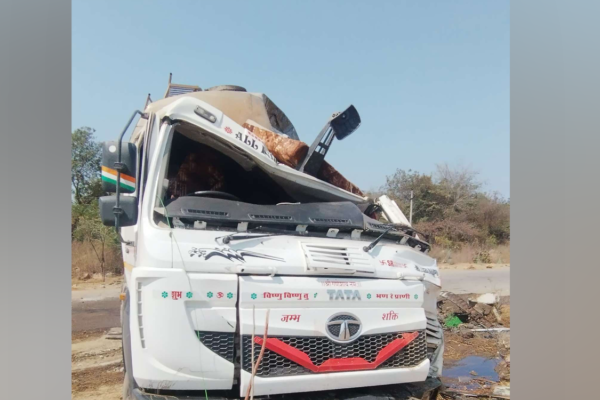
<point x="252" y="265"/>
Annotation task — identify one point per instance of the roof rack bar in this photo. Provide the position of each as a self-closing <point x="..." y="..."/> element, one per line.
<point x="174" y="89"/>
<point x="148" y="101"/>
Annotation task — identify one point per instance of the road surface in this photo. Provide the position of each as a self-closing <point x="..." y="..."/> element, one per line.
<point x="495" y="280"/>
<point x="95" y="309"/>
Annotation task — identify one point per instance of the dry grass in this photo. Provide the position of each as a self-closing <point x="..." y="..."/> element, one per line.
<point x="467" y="254"/>
<point x="505" y="315"/>
<point x="84" y="260"/>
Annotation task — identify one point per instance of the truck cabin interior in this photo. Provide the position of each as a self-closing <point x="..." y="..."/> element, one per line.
<point x="199" y="162"/>
<point x="195" y="166"/>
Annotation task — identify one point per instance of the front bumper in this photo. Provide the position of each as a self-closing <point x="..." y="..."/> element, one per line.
<point x="427" y="390"/>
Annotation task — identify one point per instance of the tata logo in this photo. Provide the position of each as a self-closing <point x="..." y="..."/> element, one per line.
<point x="343" y="294"/>
<point x="343" y="328"/>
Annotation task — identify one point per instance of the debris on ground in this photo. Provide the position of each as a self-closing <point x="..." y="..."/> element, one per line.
<point x="497" y="315"/>
<point x="502" y="391"/>
<point x="487" y="298"/>
<point x="503" y="370"/>
<point x="452" y="321"/>
<point x="476" y="350"/>
<point x="461" y="308"/>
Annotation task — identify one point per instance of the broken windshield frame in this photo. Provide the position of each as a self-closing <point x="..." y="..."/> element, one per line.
<point x="234" y="177"/>
<point x="160" y="203"/>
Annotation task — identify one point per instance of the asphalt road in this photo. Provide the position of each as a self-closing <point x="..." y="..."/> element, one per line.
<point x="95" y="315"/>
<point x="495" y="280"/>
<point x="99" y="309"/>
<point x="93" y="310"/>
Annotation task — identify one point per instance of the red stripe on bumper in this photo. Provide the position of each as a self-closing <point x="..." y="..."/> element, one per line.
<point x="337" y="364"/>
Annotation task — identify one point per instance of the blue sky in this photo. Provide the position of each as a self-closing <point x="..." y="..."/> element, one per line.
<point x="429" y="79"/>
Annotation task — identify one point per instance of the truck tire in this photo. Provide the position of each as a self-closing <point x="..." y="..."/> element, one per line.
<point x="128" y="381"/>
<point x="226" y="88"/>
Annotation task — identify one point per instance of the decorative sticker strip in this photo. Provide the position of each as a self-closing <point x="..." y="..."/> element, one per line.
<point x="110" y="175"/>
<point x="286" y="295"/>
<point x="252" y="141"/>
<point x="340" y="283"/>
<point x="229" y="254"/>
<point x="390" y="316"/>
<point x="290" y="317"/>
<point x="392" y="263"/>
<point x="178" y="294"/>
<point x="429" y="271"/>
<point x="175" y="295"/>
<point x="392" y="296"/>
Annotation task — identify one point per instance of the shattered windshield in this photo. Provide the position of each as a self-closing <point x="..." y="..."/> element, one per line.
<point x="191" y="168"/>
<point x="223" y="188"/>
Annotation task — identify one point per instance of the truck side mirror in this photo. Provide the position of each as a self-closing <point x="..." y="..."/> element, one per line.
<point x="128" y="205"/>
<point x="110" y="166"/>
<point x="339" y="126"/>
<point x="345" y="123"/>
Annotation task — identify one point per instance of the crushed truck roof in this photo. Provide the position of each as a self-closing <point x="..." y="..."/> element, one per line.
<point x="249" y="111"/>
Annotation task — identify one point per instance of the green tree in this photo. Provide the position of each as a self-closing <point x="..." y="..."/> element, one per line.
<point x="461" y="185"/>
<point x="89" y="228"/>
<point x="450" y="207"/>
<point x="429" y="199"/>
<point x="492" y="214"/>
<point x="86" y="225"/>
<point x="86" y="157"/>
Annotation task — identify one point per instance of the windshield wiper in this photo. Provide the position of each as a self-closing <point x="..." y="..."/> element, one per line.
<point x="374" y="243"/>
<point x="246" y="235"/>
<point x="269" y="232"/>
<point x="239" y="236"/>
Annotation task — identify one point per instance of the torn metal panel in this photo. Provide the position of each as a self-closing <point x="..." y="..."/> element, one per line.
<point x="392" y="211"/>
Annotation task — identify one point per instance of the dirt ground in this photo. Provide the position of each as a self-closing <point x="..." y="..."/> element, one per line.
<point x="472" y="266"/>
<point x="461" y="344"/>
<point x="96" y="366"/>
<point x="96" y="362"/>
<point x="95" y="282"/>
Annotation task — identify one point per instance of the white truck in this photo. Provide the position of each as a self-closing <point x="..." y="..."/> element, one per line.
<point x="245" y="276"/>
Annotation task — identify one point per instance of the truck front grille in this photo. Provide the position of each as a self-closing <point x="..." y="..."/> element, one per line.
<point x="221" y="343"/>
<point x="320" y="349"/>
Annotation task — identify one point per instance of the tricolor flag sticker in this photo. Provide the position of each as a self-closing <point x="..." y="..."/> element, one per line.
<point x="110" y="175"/>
